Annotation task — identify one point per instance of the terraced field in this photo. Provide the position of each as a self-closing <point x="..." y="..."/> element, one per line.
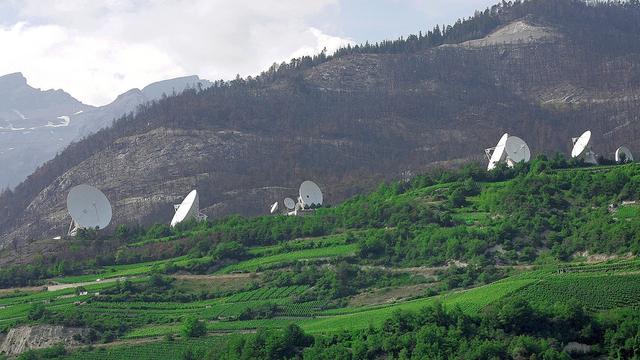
<point x="151" y="350"/>
<point x="604" y="287"/>
<point x="595" y="286"/>
<point x="119" y="271"/>
<point x="276" y="260"/>
<point x="258" y="285"/>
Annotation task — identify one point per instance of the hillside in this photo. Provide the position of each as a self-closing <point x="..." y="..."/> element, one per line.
<point x="544" y="70"/>
<point x="511" y="263"/>
<point x="369" y="114"/>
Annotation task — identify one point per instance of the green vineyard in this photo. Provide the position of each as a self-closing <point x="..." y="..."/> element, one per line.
<point x="595" y="292"/>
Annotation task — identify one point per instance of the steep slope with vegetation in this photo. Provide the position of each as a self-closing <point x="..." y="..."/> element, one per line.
<point x="537" y="260"/>
<point x="542" y="69"/>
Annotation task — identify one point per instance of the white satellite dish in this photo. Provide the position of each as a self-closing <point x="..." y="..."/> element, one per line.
<point x="274" y="207"/>
<point x="289" y="203"/>
<point x="188" y="209"/>
<point x="581" y="144"/>
<point x="517" y="150"/>
<point x="623" y="154"/>
<point x="310" y="194"/>
<point x="497" y="154"/>
<point x="89" y="208"/>
<point x="582" y="148"/>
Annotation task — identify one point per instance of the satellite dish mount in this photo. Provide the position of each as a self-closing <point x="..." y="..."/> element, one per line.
<point x="188" y="209"/>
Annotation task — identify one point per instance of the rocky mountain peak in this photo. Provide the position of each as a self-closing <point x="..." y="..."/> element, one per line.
<point x="12" y="81"/>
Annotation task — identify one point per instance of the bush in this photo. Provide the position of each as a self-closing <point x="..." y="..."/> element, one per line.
<point x="38" y="312"/>
<point x="53" y="352"/>
<point x="192" y="327"/>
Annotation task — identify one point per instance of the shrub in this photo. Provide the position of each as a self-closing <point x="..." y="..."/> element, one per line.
<point x="192" y="327"/>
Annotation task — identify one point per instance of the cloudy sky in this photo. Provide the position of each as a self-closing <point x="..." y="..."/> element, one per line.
<point x="97" y="49"/>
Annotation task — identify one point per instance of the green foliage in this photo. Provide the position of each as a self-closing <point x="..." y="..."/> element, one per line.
<point x="53" y="352"/>
<point x="38" y="311"/>
<point x="504" y="216"/>
<point x="229" y="250"/>
<point x="286" y="344"/>
<point x="165" y="349"/>
<point x="192" y="327"/>
<point x="542" y="212"/>
<point x="595" y="292"/>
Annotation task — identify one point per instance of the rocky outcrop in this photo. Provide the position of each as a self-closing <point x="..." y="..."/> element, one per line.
<point x="24" y="338"/>
<point x="518" y="32"/>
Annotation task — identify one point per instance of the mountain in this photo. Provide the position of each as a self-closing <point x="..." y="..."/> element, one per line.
<point x="543" y="70"/>
<point x="35" y="125"/>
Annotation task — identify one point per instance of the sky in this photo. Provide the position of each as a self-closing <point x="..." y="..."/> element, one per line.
<point x="98" y="49"/>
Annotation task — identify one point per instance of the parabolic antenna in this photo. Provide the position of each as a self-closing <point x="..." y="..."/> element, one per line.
<point x="310" y="194"/>
<point x="517" y="150"/>
<point x="623" y="154"/>
<point x="289" y="203"/>
<point x="188" y="209"/>
<point x="498" y="152"/>
<point x="581" y="145"/>
<point x="89" y="208"/>
<point x="274" y="207"/>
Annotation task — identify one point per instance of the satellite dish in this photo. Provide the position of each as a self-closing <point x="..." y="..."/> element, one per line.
<point x="623" y="154"/>
<point x="274" y="207"/>
<point x="517" y="150"/>
<point x="289" y="203"/>
<point x="310" y="194"/>
<point x="89" y="208"/>
<point x="580" y="146"/>
<point x="188" y="209"/>
<point x="498" y="153"/>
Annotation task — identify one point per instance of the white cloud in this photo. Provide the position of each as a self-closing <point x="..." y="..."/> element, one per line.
<point x="98" y="49"/>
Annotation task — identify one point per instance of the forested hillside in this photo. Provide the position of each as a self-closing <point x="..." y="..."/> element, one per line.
<point x="540" y="260"/>
<point x="369" y="113"/>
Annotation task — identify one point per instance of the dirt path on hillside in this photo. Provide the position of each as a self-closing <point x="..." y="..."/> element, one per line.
<point x="181" y="277"/>
<point x="59" y="286"/>
<point x="423" y="270"/>
<point x="22" y="289"/>
<point x="432" y="270"/>
<point x="215" y="277"/>
<point x="147" y="340"/>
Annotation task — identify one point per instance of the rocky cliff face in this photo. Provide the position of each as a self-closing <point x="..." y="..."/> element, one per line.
<point x="24" y="338"/>
<point x="347" y="123"/>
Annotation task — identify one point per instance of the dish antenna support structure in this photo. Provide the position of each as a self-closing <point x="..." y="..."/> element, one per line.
<point x="497" y="154"/>
<point x="510" y="150"/>
<point x="289" y="203"/>
<point x="188" y="209"/>
<point x="582" y="148"/>
<point x="274" y="207"/>
<point x="89" y="209"/>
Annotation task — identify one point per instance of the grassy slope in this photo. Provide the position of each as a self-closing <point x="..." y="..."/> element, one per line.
<point x="254" y="264"/>
<point x="163" y="349"/>
<point x="598" y="287"/>
<point x="530" y="284"/>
